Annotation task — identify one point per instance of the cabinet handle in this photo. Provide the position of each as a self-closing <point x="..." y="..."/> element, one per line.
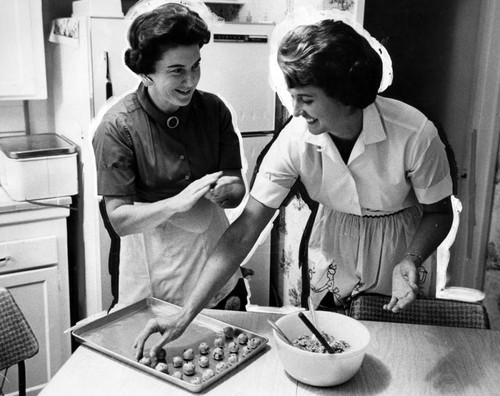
<point x="3" y="260"/>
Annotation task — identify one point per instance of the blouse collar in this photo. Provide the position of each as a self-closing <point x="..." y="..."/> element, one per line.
<point x="373" y="129"/>
<point x="154" y="112"/>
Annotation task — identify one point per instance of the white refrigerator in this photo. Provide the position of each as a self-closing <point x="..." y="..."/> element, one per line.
<point x="88" y="62"/>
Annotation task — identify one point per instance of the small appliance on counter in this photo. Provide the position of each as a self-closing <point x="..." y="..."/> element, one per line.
<point x="38" y="166"/>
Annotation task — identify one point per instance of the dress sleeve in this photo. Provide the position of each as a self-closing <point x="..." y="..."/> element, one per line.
<point x="429" y="169"/>
<point x="229" y="149"/>
<point x="277" y="173"/>
<point x="115" y="158"/>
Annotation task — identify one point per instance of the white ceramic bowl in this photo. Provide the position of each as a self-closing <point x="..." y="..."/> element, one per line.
<point x="319" y="369"/>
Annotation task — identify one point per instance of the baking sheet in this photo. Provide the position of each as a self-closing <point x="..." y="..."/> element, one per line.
<point x="115" y="333"/>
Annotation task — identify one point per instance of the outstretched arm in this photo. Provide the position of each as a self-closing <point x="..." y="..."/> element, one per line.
<point x="229" y="253"/>
<point x="433" y="228"/>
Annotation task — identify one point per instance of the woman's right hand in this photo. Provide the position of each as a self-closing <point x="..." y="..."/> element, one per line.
<point x="187" y="198"/>
<point x="170" y="329"/>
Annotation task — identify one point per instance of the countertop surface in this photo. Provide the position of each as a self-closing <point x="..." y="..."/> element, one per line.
<point x="402" y="359"/>
<point x="7" y="204"/>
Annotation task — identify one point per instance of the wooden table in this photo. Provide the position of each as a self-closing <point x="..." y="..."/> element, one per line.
<point x="402" y="359"/>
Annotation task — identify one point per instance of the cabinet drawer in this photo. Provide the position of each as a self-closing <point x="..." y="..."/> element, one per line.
<point x="28" y="253"/>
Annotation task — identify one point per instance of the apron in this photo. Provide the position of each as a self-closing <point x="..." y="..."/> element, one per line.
<point x="165" y="262"/>
<point x="349" y="254"/>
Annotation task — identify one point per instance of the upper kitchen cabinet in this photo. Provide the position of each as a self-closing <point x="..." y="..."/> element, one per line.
<point x="22" y="70"/>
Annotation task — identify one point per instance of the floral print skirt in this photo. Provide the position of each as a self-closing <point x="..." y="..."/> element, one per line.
<point x="347" y="254"/>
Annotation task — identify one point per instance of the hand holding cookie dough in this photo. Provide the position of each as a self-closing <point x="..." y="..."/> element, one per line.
<point x="223" y="191"/>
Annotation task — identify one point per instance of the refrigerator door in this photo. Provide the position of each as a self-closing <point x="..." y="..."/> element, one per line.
<point x="235" y="65"/>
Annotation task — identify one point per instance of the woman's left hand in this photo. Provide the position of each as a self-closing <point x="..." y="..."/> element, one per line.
<point x="404" y="286"/>
<point x="226" y="191"/>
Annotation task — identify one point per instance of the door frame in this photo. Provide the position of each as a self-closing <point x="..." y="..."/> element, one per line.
<point x="467" y="267"/>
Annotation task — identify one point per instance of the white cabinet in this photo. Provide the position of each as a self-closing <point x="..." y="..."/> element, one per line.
<point x="34" y="268"/>
<point x="22" y="69"/>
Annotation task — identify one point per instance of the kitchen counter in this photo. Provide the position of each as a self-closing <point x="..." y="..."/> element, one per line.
<point x="7" y="204"/>
<point x="402" y="359"/>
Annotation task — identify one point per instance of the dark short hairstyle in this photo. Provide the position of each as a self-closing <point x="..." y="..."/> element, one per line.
<point x="332" y="56"/>
<point x="154" y="32"/>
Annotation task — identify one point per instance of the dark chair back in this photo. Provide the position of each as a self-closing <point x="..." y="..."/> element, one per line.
<point x="114" y="252"/>
<point x="426" y="311"/>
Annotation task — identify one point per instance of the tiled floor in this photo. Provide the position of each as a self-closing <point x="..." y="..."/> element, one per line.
<point x="492" y="300"/>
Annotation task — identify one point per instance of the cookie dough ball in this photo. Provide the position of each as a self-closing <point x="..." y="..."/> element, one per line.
<point x="221" y="366"/>
<point x="203" y="361"/>
<point x="188" y="368"/>
<point x="207" y="374"/>
<point x="254" y="342"/>
<point x="188" y="354"/>
<point x="232" y="359"/>
<point x="237" y="332"/>
<point x="243" y="338"/>
<point x="196" y="380"/>
<point x="218" y="354"/>
<point x="219" y="342"/>
<point x="161" y="355"/>
<point x="204" y="348"/>
<point x="245" y="351"/>
<point x="145" y="360"/>
<point x="177" y="375"/>
<point x="228" y="332"/>
<point x="162" y="367"/>
<point x="177" y="361"/>
<point x="233" y="347"/>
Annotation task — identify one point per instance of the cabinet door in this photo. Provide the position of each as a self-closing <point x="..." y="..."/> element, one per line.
<point x="22" y="69"/>
<point x="36" y="294"/>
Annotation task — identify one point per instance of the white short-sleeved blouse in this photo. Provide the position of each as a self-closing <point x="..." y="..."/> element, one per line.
<point x="397" y="162"/>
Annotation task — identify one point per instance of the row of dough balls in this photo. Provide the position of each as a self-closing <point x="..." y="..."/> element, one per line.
<point x="242" y="344"/>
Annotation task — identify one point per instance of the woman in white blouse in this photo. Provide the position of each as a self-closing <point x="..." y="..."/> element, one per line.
<point x="376" y="166"/>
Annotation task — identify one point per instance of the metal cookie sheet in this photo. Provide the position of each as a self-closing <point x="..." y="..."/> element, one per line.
<point x="115" y="333"/>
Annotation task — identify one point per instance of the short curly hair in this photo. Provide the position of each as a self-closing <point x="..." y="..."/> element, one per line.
<point x="332" y="56"/>
<point x="167" y="26"/>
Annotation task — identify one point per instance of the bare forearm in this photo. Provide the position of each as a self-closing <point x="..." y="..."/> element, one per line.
<point x="229" y="253"/>
<point x="131" y="219"/>
<point x="432" y="230"/>
<point x="128" y="218"/>
<point x="224" y="261"/>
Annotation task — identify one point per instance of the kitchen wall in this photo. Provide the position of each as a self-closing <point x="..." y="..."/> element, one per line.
<point x="273" y="11"/>
<point x="12" y="114"/>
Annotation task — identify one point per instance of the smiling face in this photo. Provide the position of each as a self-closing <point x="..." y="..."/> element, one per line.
<point x="175" y="78"/>
<point x="323" y="113"/>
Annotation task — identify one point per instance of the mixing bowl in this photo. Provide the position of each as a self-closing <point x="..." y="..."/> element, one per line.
<point x="322" y="369"/>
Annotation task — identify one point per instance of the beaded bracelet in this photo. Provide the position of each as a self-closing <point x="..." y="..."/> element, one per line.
<point x="413" y="254"/>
